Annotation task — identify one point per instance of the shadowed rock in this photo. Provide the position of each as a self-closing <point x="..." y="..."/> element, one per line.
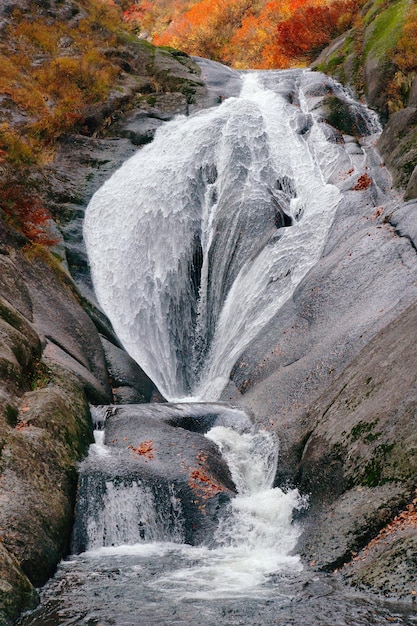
<point x="169" y="481"/>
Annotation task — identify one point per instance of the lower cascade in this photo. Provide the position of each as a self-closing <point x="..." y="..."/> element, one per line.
<point x="125" y="505"/>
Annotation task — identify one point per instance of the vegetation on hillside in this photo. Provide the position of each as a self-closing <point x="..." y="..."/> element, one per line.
<point x="52" y="67"/>
<point x="263" y="34"/>
<point x="50" y="70"/>
<point x="404" y="62"/>
<point x="384" y="39"/>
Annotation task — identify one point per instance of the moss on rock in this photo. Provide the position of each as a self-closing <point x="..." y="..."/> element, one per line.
<point x="38" y="469"/>
<point x="370" y="59"/>
<point x="16" y="591"/>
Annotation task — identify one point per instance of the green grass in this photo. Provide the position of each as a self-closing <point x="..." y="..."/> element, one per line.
<point x="382" y="35"/>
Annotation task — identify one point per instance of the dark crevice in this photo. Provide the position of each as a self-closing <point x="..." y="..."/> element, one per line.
<point x="196" y="266"/>
<point x="282" y="220"/>
<point x="64" y="349"/>
<point x="286" y="185"/>
<point x="403" y="236"/>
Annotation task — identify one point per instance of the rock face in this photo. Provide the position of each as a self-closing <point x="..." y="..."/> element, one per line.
<point x="50" y="358"/>
<point x="334" y="373"/>
<point x="361" y="454"/>
<point x="58" y="350"/>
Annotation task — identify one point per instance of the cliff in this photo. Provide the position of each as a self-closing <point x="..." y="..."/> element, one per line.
<point x="58" y="351"/>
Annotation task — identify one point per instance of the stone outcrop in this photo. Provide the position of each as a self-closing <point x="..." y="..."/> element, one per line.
<point x="58" y="351"/>
<point x="364" y="60"/>
<point x="160" y="450"/>
<point x="51" y="360"/>
<point x="359" y="460"/>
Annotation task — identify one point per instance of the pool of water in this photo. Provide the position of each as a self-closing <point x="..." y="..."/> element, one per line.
<point x="151" y="584"/>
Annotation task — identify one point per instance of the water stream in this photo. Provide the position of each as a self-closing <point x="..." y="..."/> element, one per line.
<point x="249" y="575"/>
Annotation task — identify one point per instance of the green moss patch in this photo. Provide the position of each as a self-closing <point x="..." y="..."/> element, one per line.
<point x="382" y="35"/>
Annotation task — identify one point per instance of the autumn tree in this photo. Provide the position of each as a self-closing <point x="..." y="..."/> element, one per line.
<point x="206" y="28"/>
<point x="305" y="33"/>
<point x="259" y="34"/>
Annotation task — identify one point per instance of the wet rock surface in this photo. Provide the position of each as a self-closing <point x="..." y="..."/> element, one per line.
<point x="15" y="588"/>
<point x="158" y="448"/>
<point x="52" y="358"/>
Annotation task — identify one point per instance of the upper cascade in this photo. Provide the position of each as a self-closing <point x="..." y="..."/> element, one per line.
<point x="197" y="241"/>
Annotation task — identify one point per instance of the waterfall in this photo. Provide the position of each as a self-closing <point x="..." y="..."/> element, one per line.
<point x="198" y="240"/>
<point x="195" y="244"/>
<point x="124" y="515"/>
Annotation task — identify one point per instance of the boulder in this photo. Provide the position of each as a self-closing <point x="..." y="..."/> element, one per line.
<point x="158" y="478"/>
<point x="16" y="591"/>
<point x="130" y="384"/>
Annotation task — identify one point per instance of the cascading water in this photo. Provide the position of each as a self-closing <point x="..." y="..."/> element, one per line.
<point x="254" y="540"/>
<point x="247" y="576"/>
<point x="197" y="240"/>
<point x="195" y="244"/>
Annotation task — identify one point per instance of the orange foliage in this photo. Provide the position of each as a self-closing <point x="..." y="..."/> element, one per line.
<point x="199" y="480"/>
<point x="206" y="28"/>
<point x="311" y="28"/>
<point x="24" y="210"/>
<point x="203" y="485"/>
<point x="364" y="181"/>
<point x="146" y="449"/>
<point x="251" y="43"/>
<point x="262" y="34"/>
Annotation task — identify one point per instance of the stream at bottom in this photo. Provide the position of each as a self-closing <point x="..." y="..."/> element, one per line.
<point x="125" y="587"/>
<point x="246" y="574"/>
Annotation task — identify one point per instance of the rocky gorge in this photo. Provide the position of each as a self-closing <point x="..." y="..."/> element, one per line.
<point x="333" y="373"/>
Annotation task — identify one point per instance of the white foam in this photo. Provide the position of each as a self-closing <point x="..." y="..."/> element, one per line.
<point x="209" y="177"/>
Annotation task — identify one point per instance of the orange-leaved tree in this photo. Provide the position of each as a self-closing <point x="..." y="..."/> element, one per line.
<point x="206" y="28"/>
<point x="259" y="34"/>
<point x="253" y="43"/>
<point x="310" y="28"/>
<point x="23" y="208"/>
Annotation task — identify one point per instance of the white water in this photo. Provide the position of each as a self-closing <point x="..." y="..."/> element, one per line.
<point x="251" y="543"/>
<point x="215" y="179"/>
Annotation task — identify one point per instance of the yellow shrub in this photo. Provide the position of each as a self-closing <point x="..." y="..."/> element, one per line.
<point x="17" y="149"/>
<point x="52" y="86"/>
<point x="38" y="34"/>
